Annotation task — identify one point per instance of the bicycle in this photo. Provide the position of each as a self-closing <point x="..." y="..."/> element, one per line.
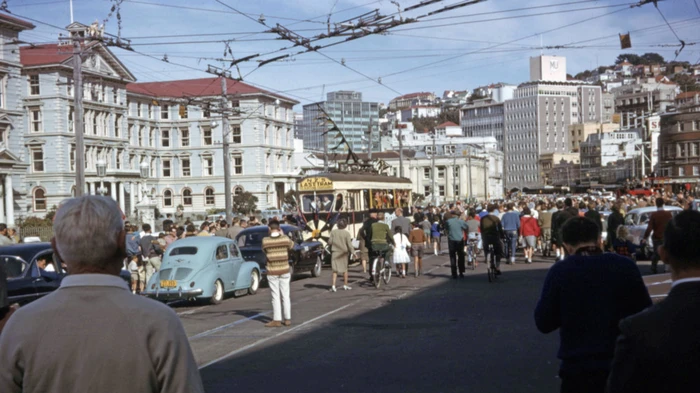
<point x="471" y="254"/>
<point x="491" y="264"/>
<point x="381" y="269"/>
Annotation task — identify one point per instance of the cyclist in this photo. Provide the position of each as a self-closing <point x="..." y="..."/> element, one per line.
<point x="366" y="243"/>
<point x="491" y="234"/>
<point x="381" y="241"/>
<point x="473" y="235"/>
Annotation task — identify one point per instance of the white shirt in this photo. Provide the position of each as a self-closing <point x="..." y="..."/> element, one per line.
<point x="682" y="280"/>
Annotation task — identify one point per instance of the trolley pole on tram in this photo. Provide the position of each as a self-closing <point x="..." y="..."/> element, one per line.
<point x="400" y="151"/>
<point x="432" y="159"/>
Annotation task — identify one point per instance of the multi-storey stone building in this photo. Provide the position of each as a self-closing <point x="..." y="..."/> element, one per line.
<point x="679" y="149"/>
<point x="483" y="118"/>
<point x="172" y="127"/>
<point x="537" y="122"/>
<point x="13" y="156"/>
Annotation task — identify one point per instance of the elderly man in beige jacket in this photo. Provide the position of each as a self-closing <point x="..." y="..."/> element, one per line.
<point x="104" y="339"/>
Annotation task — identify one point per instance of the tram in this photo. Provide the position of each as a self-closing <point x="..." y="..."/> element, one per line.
<point x="324" y="198"/>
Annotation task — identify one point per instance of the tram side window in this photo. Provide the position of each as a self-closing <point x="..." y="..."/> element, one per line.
<point x="383" y="199"/>
<point x="321" y="202"/>
<point x="338" y="202"/>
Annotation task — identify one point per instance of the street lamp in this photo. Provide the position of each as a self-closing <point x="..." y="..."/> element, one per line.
<point x="101" y="172"/>
<point x="144" y="175"/>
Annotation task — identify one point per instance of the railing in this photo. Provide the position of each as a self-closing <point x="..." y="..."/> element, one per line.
<point x="44" y="233"/>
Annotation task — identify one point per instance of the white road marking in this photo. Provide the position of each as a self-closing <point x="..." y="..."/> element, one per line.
<point x="261" y="341"/>
<point x="660" y="282"/>
<point x="228" y="325"/>
<point x="655" y="296"/>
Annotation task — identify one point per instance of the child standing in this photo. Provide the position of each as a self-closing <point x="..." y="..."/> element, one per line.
<point x="401" y="258"/>
<point x="417" y="239"/>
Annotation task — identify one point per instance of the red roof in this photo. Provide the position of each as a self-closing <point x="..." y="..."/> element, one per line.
<point x="204" y="87"/>
<point x="447" y="124"/>
<point x="44" y="54"/>
<point x="16" y="21"/>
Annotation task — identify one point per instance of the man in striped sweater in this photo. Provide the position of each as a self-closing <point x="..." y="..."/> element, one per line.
<point x="276" y="247"/>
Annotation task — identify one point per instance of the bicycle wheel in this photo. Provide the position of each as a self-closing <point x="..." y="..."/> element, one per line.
<point x="376" y="272"/>
<point x="386" y="273"/>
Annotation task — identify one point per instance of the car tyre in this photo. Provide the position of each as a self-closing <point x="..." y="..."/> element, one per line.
<point x="318" y="267"/>
<point x="218" y="296"/>
<point x="254" y="282"/>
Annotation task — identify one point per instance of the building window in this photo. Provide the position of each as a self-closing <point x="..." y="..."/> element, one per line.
<point x="165" y="138"/>
<point x="426" y="173"/>
<point x="236" y="132"/>
<point x="151" y="138"/>
<point x="681" y="171"/>
<point x="441" y="172"/>
<point x="696" y="170"/>
<point x="167" y="167"/>
<point x="167" y="198"/>
<point x="35" y="120"/>
<point x="209" y="198"/>
<point x="139" y="141"/>
<point x="71" y="158"/>
<point x="183" y="111"/>
<point x="238" y="190"/>
<point x="39" y="199"/>
<point x="441" y="190"/>
<point x="206" y="111"/>
<point x="120" y="159"/>
<point x="117" y="126"/>
<point x="164" y="112"/>
<point x="426" y="190"/>
<point x="208" y="166"/>
<point x="71" y="121"/>
<point x="237" y="162"/>
<point x="184" y="137"/>
<point x="37" y="160"/>
<point x="187" y="197"/>
<point x="206" y="137"/>
<point x="34" y="89"/>
<point x="150" y="111"/>
<point x="185" y="164"/>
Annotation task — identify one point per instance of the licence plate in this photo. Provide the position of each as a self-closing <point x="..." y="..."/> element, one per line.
<point x="168" y="283"/>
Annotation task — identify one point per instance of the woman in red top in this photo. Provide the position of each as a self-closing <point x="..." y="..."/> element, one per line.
<point x="530" y="230"/>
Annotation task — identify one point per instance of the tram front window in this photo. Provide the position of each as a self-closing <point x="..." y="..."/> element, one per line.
<point x="319" y="202"/>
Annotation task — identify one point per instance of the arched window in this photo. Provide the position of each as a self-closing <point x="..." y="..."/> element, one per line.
<point x="209" y="198"/>
<point x="167" y="198"/>
<point x="39" y="199"/>
<point x="238" y="190"/>
<point x="187" y="197"/>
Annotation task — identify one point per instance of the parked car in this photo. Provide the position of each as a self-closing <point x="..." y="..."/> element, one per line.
<point x="25" y="281"/>
<point x="306" y="255"/>
<point x="637" y="221"/>
<point x="203" y="267"/>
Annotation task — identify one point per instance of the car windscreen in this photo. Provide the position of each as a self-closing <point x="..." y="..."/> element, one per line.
<point x="253" y="239"/>
<point x="183" y="251"/>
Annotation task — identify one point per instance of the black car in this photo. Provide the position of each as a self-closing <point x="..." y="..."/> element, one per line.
<point x="25" y="281"/>
<point x="306" y="255"/>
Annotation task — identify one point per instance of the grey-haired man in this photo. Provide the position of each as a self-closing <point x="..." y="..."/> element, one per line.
<point x="92" y="311"/>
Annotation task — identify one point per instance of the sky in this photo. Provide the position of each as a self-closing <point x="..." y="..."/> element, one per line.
<point x="459" y="49"/>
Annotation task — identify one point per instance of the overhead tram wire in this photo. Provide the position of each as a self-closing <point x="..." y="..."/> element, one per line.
<point x="506" y="43"/>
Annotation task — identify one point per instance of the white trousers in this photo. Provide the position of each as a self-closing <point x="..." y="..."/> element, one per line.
<point x="279" y="288"/>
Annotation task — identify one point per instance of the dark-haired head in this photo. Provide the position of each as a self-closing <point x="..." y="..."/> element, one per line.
<point x="568" y="202"/>
<point x="681" y="247"/>
<point x="659" y="202"/>
<point x="274" y="225"/>
<point x="579" y="231"/>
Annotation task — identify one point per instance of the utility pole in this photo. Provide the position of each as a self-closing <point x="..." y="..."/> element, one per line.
<point x="78" y="112"/>
<point x="469" y="168"/>
<point x="433" y="170"/>
<point x="225" y="131"/>
<point x="369" y="140"/>
<point x="454" y="175"/>
<point x="400" y="150"/>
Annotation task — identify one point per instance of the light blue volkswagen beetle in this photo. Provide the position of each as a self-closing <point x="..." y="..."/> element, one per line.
<point x="203" y="267"/>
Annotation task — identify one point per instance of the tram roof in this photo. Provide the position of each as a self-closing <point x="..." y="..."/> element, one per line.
<point x="360" y="177"/>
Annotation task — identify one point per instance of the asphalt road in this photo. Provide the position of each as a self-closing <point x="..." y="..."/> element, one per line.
<point x="430" y="334"/>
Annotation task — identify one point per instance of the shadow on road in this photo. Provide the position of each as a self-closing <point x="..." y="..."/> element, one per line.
<point x="462" y="335"/>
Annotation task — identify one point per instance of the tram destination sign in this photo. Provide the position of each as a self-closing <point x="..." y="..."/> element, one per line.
<point x="316" y="184"/>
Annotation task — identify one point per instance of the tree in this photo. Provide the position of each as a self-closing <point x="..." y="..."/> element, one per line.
<point x="686" y="82"/>
<point x="290" y="199"/>
<point x="382" y="112"/>
<point x="448" y="114"/>
<point x="653" y="58"/>
<point x="629" y="57"/>
<point x="245" y="202"/>
<point x="583" y="75"/>
<point x="422" y="123"/>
